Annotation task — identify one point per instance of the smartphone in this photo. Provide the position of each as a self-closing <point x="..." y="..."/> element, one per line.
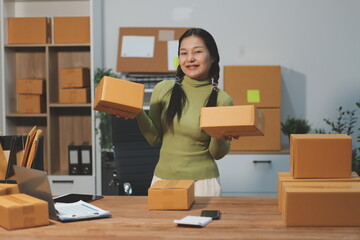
<point x="214" y="214"/>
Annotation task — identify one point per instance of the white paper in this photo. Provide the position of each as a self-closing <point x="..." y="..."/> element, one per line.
<point x="138" y="46"/>
<point x="172" y="54"/>
<point x="194" y="221"/>
<point x="79" y="210"/>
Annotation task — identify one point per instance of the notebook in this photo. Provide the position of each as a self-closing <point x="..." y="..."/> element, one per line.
<point x="35" y="183"/>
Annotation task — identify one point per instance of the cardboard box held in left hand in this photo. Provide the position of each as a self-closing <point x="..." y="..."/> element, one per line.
<point x="119" y="97"/>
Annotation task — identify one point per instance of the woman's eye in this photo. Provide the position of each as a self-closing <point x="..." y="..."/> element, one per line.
<point x="183" y="53"/>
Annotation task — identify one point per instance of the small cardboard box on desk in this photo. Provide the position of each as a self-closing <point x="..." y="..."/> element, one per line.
<point x="22" y="211"/>
<point x="245" y="120"/>
<point x="171" y="195"/>
<point x="119" y="97"/>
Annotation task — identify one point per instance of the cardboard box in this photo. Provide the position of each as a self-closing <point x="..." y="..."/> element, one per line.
<point x="71" y="29"/>
<point x="246" y="120"/>
<point x="29" y="30"/>
<point x="258" y="85"/>
<point x="171" y="195"/>
<point x="74" y="95"/>
<point x="30" y="103"/>
<point x="119" y="97"/>
<point x="320" y="155"/>
<point x="285" y="177"/>
<point x="30" y="86"/>
<point x="7" y="188"/>
<point x="321" y="204"/>
<point x="74" y="77"/>
<point x="22" y="211"/>
<point x="271" y="139"/>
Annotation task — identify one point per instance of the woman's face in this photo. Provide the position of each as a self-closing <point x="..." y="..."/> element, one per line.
<point x="194" y="58"/>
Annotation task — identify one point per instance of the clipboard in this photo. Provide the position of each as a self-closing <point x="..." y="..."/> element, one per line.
<point x="34" y="148"/>
<point x="29" y="140"/>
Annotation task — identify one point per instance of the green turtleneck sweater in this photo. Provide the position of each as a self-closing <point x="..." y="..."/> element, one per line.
<point x="187" y="152"/>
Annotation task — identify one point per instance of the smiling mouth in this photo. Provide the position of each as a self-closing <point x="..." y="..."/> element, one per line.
<point x="192" y="66"/>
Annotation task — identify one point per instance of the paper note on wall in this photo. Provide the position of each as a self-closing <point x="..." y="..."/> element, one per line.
<point x="138" y="46"/>
<point x="253" y="96"/>
<point x="166" y="35"/>
<point x="173" y="60"/>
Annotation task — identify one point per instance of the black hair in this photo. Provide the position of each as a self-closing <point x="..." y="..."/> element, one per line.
<point x="178" y="96"/>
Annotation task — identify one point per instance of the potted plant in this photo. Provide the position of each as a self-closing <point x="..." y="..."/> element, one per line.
<point x="294" y="125"/>
<point x="347" y="122"/>
<point x="104" y="129"/>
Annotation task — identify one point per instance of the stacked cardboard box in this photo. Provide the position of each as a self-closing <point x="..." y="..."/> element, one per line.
<point x="29" y="30"/>
<point x="30" y="95"/>
<point x="74" y="85"/>
<point x="71" y="29"/>
<point x="259" y="86"/>
<point x="320" y="189"/>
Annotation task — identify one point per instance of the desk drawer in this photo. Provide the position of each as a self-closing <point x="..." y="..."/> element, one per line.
<point x="254" y="175"/>
<point x="72" y="184"/>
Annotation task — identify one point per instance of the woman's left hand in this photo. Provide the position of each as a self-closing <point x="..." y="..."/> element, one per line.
<point x="229" y="138"/>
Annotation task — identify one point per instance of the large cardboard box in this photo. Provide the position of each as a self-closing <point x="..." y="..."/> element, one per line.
<point x="29" y="30"/>
<point x="74" y="95"/>
<point x="320" y="155"/>
<point x="285" y="177"/>
<point x="119" y="97"/>
<point x="22" y="211"/>
<point x="171" y="195"/>
<point x="270" y="141"/>
<point x="258" y="85"/>
<point x="74" y="77"/>
<point x="71" y="29"/>
<point x="246" y="120"/>
<point x="6" y="189"/>
<point x="30" y="103"/>
<point x="30" y="86"/>
<point x="321" y="204"/>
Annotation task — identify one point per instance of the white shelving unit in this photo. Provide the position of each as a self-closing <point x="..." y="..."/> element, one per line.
<point x="59" y="120"/>
<point x="254" y="174"/>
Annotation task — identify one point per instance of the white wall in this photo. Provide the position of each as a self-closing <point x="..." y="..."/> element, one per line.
<point x="317" y="43"/>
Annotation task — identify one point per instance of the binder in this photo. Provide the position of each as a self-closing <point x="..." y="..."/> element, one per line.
<point x="74" y="160"/>
<point x="86" y="160"/>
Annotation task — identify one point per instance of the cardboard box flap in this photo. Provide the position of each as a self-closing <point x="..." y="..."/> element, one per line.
<point x="173" y="184"/>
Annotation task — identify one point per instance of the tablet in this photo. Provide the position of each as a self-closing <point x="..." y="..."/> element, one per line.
<point x="74" y="197"/>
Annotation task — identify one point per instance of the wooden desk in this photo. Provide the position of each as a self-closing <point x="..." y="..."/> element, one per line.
<point x="242" y="218"/>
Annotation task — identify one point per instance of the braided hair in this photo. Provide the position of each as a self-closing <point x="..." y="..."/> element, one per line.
<point x="178" y="96"/>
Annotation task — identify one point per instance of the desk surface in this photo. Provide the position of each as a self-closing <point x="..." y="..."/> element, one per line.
<point x="242" y="218"/>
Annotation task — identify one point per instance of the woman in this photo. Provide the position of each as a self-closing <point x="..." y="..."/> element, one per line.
<point x="187" y="152"/>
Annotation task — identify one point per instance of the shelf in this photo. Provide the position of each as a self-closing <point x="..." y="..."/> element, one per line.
<point x="72" y="105"/>
<point x="285" y="150"/>
<point x="26" y="115"/>
<point x="47" y="45"/>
